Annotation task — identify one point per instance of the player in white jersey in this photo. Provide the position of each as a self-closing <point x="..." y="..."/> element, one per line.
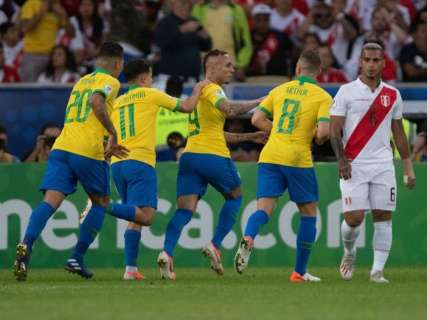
<point x="367" y="111"/>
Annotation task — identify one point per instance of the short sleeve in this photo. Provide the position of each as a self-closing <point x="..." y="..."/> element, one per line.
<point x="166" y="101"/>
<point x="108" y="87"/>
<point x="214" y="94"/>
<point x="29" y="9"/>
<point x="398" y="108"/>
<point x="339" y="106"/>
<point x="323" y="114"/>
<point x="266" y="105"/>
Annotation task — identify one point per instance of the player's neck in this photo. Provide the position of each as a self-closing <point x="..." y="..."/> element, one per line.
<point x="372" y="83"/>
<point x="213" y="79"/>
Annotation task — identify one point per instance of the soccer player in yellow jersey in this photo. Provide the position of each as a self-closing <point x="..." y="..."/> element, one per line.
<point x="300" y="111"/>
<point x="134" y="117"/>
<point x="206" y="160"/>
<point x="78" y="155"/>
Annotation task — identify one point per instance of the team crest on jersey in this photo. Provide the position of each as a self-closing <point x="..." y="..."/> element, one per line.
<point x="385" y="101"/>
<point x="108" y="89"/>
<point x="220" y="93"/>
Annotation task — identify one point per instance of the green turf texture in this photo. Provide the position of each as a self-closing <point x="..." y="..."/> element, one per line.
<point x="261" y="293"/>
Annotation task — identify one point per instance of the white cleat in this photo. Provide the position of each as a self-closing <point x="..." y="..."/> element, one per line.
<point x="211" y="252"/>
<point x="347" y="266"/>
<point x="296" y="277"/>
<point x="310" y="277"/>
<point x="85" y="211"/>
<point x="165" y="263"/>
<point x="133" y="275"/>
<point x="377" y="277"/>
<point x="243" y="254"/>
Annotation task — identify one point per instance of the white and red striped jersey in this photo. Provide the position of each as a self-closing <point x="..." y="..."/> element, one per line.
<point x="368" y="116"/>
<point x="289" y="24"/>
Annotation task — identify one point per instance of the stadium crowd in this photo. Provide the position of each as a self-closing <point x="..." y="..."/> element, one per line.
<point x="56" y="41"/>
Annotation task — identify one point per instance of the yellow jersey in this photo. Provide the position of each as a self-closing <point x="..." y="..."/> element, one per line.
<point x="206" y="124"/>
<point x="83" y="134"/>
<point x="43" y="37"/>
<point x="134" y="117"/>
<point x="296" y="107"/>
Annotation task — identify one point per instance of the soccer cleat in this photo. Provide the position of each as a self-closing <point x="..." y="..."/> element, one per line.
<point x="133" y="275"/>
<point x="86" y="210"/>
<point x="20" y="266"/>
<point x="211" y="252"/>
<point x="243" y="254"/>
<point x="377" y="277"/>
<point x="296" y="277"/>
<point x="165" y="263"/>
<point x="77" y="267"/>
<point x="347" y="266"/>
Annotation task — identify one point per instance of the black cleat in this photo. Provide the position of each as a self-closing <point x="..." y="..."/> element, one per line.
<point x="77" y="267"/>
<point x="20" y="266"/>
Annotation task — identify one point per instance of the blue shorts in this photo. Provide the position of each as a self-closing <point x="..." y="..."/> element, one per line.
<point x="64" y="169"/>
<point x="274" y="179"/>
<point x="197" y="170"/>
<point x="136" y="183"/>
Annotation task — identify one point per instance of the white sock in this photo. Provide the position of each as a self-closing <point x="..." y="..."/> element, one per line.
<point x="131" y="269"/>
<point x="382" y="243"/>
<point x="349" y="237"/>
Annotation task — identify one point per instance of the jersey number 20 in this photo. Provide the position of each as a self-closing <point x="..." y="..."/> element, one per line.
<point x="289" y="110"/>
<point x="82" y="104"/>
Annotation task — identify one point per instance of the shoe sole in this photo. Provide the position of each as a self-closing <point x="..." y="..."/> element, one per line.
<point x="208" y="254"/>
<point x="20" y="269"/>
<point x="244" y="245"/>
<point x="163" y="265"/>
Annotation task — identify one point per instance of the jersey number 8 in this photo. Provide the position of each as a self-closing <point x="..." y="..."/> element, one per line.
<point x="290" y="114"/>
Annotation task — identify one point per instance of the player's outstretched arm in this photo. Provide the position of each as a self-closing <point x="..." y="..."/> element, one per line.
<point x="259" y="120"/>
<point x="260" y="137"/>
<point x="402" y="146"/>
<point x="234" y="108"/>
<point x="322" y="132"/>
<point x="189" y="104"/>
<point x="336" y="126"/>
<point x="97" y="102"/>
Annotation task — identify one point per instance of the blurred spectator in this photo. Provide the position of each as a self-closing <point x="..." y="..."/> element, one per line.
<point x="421" y="16"/>
<point x="413" y="58"/>
<point x="12" y="45"/>
<point x="45" y="141"/>
<point x="394" y="11"/>
<point x="310" y="41"/>
<point x="8" y="11"/>
<point x="41" y="21"/>
<point x="272" y="49"/>
<point x="181" y="39"/>
<point x="4" y="156"/>
<point x="173" y="149"/>
<point x="286" y="19"/>
<point x="228" y="27"/>
<point x="337" y="30"/>
<point x="90" y="29"/>
<point x="7" y="74"/>
<point x="330" y="72"/>
<point x="61" y="67"/>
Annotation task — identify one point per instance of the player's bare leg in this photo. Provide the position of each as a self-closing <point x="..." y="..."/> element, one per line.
<point x="187" y="205"/>
<point x="305" y="239"/>
<point x="381" y="243"/>
<point x="51" y="200"/>
<point x="350" y="230"/>
<point x="265" y="207"/>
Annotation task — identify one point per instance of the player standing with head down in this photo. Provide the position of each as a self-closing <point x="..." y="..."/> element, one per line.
<point x="367" y="111"/>
<point x="78" y="155"/>
<point x="300" y="110"/>
<point x="206" y="160"/>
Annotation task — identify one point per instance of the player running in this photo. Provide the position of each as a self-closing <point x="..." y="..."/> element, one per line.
<point x="297" y="108"/>
<point x="78" y="155"/>
<point x="367" y="110"/>
<point x="206" y="160"/>
<point x="134" y="117"/>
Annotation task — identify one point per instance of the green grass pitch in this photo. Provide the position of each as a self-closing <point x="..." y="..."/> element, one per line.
<point x="261" y="293"/>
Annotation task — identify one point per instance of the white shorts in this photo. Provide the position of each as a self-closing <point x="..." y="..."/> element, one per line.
<point x="372" y="186"/>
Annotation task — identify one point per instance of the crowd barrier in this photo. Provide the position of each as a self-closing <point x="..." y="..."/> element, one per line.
<point x="275" y="246"/>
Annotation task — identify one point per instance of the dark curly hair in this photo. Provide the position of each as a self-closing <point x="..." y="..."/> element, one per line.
<point x="70" y="62"/>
